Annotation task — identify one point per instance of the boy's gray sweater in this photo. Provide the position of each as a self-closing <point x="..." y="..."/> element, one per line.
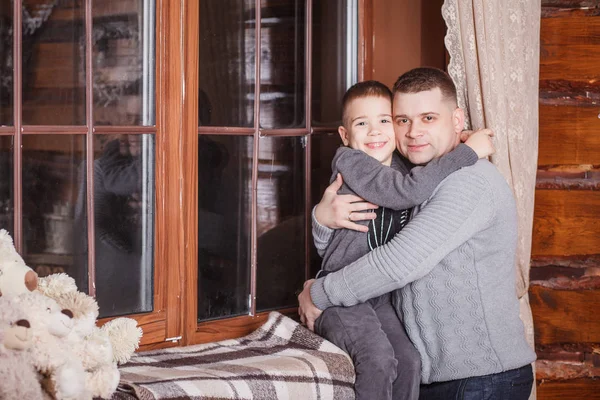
<point x="396" y="188"/>
<point x="454" y="264"/>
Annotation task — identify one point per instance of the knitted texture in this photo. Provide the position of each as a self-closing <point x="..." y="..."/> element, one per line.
<point x="455" y="263"/>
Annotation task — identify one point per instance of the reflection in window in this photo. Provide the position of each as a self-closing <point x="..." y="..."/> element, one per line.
<point x="323" y="146"/>
<point x="50" y="191"/>
<point x="6" y="184"/>
<point x="53" y="62"/>
<point x="124" y="222"/>
<point x="334" y="58"/>
<point x="282" y="66"/>
<point x="123" y="62"/>
<point x="6" y="63"/>
<point x="280" y="222"/>
<point x="226" y="76"/>
<point x="224" y="225"/>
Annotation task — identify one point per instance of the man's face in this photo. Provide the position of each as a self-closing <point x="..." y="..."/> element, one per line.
<point x="368" y="127"/>
<point x="427" y="126"/>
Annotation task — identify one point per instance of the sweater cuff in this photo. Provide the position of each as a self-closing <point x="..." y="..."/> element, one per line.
<point x="464" y="154"/>
<point x="320" y="231"/>
<point x="318" y="295"/>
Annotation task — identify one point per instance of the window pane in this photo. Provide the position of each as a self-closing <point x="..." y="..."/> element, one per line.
<point x="282" y="82"/>
<point x="6" y="63"/>
<point x="123" y="60"/>
<point x="224" y="225"/>
<point x="124" y="223"/>
<point x="226" y="75"/>
<point x="53" y="62"/>
<point x="280" y="222"/>
<point x="6" y="184"/>
<point x="323" y="148"/>
<point x="53" y="206"/>
<point x="334" y="68"/>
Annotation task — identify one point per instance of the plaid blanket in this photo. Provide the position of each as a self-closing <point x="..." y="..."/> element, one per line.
<point x="280" y="360"/>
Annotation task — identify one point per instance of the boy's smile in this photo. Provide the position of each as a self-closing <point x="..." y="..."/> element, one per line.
<point x="368" y="127"/>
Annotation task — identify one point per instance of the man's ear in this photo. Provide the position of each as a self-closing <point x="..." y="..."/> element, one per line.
<point x="458" y="120"/>
<point x="344" y="135"/>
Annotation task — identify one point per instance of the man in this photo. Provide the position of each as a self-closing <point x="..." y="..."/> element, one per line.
<point x="453" y="263"/>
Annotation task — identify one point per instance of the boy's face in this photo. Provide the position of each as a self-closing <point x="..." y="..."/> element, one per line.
<point x="368" y="127"/>
<point x="427" y="125"/>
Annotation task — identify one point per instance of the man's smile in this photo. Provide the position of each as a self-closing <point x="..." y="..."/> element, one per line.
<point x="417" y="147"/>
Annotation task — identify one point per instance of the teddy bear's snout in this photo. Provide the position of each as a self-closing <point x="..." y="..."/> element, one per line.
<point x="31" y="280"/>
<point x="68" y="313"/>
<point x="23" y="322"/>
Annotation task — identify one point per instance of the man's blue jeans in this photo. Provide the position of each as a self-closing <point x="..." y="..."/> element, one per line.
<point x="509" y="385"/>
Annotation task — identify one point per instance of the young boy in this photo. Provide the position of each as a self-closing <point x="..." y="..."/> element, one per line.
<point x="387" y="364"/>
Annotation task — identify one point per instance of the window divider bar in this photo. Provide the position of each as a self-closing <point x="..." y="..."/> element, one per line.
<point x="89" y="100"/>
<point x="253" y="234"/>
<point x="53" y="129"/>
<point x="284" y="132"/>
<point x="307" y="149"/>
<point x="7" y="130"/>
<point x="18" y="116"/>
<point x="224" y="130"/>
<point x="109" y="130"/>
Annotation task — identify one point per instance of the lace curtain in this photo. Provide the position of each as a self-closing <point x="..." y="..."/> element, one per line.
<point x="494" y="62"/>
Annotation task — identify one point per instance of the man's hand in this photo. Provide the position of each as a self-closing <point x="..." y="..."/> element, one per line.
<point x="307" y="309"/>
<point x="337" y="211"/>
<point x="480" y="141"/>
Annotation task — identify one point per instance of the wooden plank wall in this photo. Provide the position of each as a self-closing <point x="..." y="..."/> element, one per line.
<point x="565" y="274"/>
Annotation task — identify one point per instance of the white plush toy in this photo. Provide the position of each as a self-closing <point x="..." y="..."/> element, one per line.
<point x="15" y="276"/>
<point x="63" y="376"/>
<point x="19" y="378"/>
<point x="100" y="349"/>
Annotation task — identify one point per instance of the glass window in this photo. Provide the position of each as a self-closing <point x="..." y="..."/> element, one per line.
<point x="123" y="62"/>
<point x="333" y="58"/>
<point x="224" y="224"/>
<point x="6" y="184"/>
<point x="6" y="63"/>
<point x="124" y="222"/>
<point x="52" y="186"/>
<point x="226" y="75"/>
<point x="53" y="62"/>
<point x="280" y="222"/>
<point x="282" y="64"/>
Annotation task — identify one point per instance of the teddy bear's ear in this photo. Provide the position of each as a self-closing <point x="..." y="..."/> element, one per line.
<point x="56" y="285"/>
<point x="5" y="238"/>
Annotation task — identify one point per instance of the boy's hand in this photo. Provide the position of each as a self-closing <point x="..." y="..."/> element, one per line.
<point x="337" y="211"/>
<point x="481" y="142"/>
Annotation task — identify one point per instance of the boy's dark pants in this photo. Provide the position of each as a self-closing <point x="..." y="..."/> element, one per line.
<point x="387" y="364"/>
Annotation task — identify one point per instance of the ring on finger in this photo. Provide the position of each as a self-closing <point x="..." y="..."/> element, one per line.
<point x="350" y="216"/>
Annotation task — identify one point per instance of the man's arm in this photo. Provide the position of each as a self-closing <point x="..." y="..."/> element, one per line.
<point x="460" y="207"/>
<point x="394" y="189"/>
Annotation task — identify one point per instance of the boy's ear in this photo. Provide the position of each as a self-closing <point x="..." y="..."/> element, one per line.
<point x="458" y="120"/>
<point x="344" y="135"/>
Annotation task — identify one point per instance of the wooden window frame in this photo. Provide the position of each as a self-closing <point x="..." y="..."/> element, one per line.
<point x="173" y="321"/>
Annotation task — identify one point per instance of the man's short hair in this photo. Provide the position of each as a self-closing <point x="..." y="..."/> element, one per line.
<point x="424" y="79"/>
<point x="364" y="89"/>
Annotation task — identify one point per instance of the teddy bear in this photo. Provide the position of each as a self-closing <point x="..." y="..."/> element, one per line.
<point x="61" y="373"/>
<point x="15" y="276"/>
<point x="99" y="349"/>
<point x="19" y="378"/>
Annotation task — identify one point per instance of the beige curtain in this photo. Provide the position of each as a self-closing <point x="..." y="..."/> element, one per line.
<point x="494" y="61"/>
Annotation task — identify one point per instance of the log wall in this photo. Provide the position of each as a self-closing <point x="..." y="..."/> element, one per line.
<point x="565" y="274"/>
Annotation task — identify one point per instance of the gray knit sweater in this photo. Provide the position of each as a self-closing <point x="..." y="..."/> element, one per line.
<point x="395" y="188"/>
<point x="454" y="264"/>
